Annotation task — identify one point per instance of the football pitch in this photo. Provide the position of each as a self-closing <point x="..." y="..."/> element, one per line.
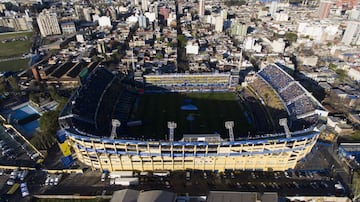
<point x="194" y="113"/>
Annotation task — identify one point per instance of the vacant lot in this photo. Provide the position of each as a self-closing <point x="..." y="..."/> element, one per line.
<point x="213" y="109"/>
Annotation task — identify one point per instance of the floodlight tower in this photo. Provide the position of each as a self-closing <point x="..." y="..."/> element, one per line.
<point x="115" y="124"/>
<point x="230" y="125"/>
<point x="283" y="123"/>
<point x="171" y="125"/>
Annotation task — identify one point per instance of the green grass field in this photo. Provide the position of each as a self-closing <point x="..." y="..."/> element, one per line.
<point x="15" y="48"/>
<point x="155" y="110"/>
<point x="14" y="65"/>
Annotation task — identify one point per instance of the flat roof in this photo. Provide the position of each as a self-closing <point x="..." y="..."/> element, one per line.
<point x="228" y="196"/>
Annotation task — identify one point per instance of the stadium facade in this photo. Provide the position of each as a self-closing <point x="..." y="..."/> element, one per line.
<point x="86" y="121"/>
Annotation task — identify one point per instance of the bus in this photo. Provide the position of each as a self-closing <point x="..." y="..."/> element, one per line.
<point x="13" y="189"/>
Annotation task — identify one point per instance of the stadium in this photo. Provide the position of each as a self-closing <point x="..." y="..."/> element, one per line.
<point x="187" y="121"/>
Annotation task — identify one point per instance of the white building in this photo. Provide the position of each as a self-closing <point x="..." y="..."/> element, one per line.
<point x="144" y="5"/>
<point x="273" y="7"/>
<point x="281" y="17"/>
<point x="250" y="44"/>
<point x="192" y="48"/>
<point x="223" y="14"/>
<point x="104" y="21"/>
<point x="317" y="31"/>
<point x="48" y="23"/>
<point x="351" y="34"/>
<point x="354" y="73"/>
<point x="151" y="16"/>
<point x="354" y="14"/>
<point x="219" y="24"/>
<point x="278" y="46"/>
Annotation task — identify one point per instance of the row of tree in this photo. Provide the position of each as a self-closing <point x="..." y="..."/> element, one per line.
<point x="49" y="125"/>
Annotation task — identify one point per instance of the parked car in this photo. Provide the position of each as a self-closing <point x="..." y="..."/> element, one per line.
<point x="24" y="189"/>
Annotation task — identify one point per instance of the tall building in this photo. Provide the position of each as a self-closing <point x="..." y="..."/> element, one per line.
<point x="352" y="33"/>
<point x="324" y="9"/>
<point x="144" y="5"/>
<point x="273" y="7"/>
<point x="142" y="21"/>
<point x="219" y="24"/>
<point x="48" y="23"/>
<point x="239" y="29"/>
<point x="15" y="23"/>
<point x="201" y="8"/>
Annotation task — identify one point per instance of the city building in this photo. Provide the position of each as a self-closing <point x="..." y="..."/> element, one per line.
<point x="68" y="27"/>
<point x="142" y="21"/>
<point x="354" y="73"/>
<point x="144" y="5"/>
<point x="239" y="29"/>
<point x="48" y="23"/>
<point x="352" y="32"/>
<point x="104" y="21"/>
<point x="201" y="9"/>
<point x="324" y="9"/>
<point x="346" y="4"/>
<point x="15" y="23"/>
<point x="273" y="8"/>
<point x="219" y="24"/>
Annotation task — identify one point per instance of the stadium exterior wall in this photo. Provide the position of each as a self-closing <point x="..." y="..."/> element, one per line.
<point x="275" y="153"/>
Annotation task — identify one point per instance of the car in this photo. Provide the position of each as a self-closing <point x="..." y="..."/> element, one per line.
<point x="205" y="175"/>
<point x="10" y="182"/>
<point x="238" y="185"/>
<point x="232" y="175"/>
<point x="167" y="184"/>
<point x="47" y="181"/>
<point x="2" y="172"/>
<point x="5" y="152"/>
<point x="23" y="174"/>
<point x="5" y="147"/>
<point x="34" y="156"/>
<point x="24" y="189"/>
<point x="51" y="182"/>
<point x="103" y="176"/>
<point x="13" y="174"/>
<point x="187" y="175"/>
<point x="57" y="179"/>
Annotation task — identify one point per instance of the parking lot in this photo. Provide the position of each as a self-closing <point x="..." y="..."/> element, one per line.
<point x="14" y="150"/>
<point x="313" y="177"/>
<point x="285" y="183"/>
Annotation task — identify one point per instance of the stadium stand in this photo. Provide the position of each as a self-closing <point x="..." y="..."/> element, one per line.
<point x="188" y="82"/>
<point x="102" y="98"/>
<point x="293" y="96"/>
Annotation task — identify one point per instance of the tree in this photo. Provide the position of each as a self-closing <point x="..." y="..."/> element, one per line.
<point x="2" y="87"/>
<point x="291" y="37"/>
<point x="356" y="184"/>
<point x="182" y="40"/>
<point x="333" y="66"/>
<point x="341" y="74"/>
<point x="34" y="98"/>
